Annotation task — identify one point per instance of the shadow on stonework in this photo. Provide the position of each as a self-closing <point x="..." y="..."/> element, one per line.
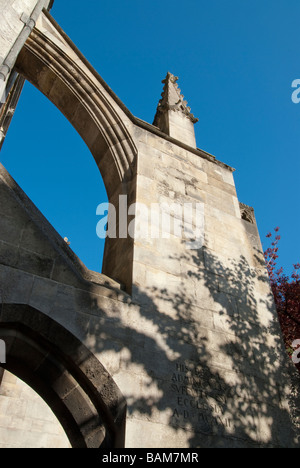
<point x="218" y="371"/>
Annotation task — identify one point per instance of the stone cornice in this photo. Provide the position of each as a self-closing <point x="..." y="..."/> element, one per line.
<point x="197" y="151"/>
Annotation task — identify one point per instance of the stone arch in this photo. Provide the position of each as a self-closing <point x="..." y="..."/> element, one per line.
<point x="51" y="62"/>
<point x="74" y="384"/>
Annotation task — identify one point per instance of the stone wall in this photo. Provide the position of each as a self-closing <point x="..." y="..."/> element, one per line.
<point x="196" y="350"/>
<point x="206" y="347"/>
<point x="25" y="420"/>
<point x="194" y="343"/>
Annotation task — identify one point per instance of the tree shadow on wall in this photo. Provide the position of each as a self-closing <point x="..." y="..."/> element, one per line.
<point x="219" y="372"/>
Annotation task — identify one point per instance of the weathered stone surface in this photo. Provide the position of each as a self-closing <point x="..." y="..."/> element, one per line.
<point x="25" y="420"/>
<point x="194" y="343"/>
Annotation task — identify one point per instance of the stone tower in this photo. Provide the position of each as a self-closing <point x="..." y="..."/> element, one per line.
<point x="177" y="343"/>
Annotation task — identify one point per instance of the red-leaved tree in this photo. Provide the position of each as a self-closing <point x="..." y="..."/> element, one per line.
<point x="286" y="291"/>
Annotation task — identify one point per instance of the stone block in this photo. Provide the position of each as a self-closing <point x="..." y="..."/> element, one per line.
<point x="15" y="285"/>
<point x="164" y="262"/>
<point x="9" y="232"/>
<point x="43" y="294"/>
<point x="34" y="263"/>
<point x="9" y="254"/>
<point x="34" y="240"/>
<point x="196" y="193"/>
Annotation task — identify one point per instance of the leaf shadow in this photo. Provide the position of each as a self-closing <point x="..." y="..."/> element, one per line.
<point x="219" y="372"/>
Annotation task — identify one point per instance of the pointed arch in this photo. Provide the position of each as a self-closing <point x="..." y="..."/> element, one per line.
<point x="71" y="380"/>
<point x="52" y="63"/>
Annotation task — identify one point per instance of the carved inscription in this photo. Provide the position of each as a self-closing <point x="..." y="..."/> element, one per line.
<point x="201" y="399"/>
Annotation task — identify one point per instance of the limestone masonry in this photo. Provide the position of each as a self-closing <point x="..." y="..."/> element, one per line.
<point x="177" y="344"/>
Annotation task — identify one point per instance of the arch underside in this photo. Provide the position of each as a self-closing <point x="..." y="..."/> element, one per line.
<point x="51" y="62"/>
<point x="74" y="384"/>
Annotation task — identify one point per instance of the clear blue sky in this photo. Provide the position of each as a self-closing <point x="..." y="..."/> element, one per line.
<point x="235" y="60"/>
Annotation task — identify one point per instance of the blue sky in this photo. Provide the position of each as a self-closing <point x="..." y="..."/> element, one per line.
<point x="236" y="61"/>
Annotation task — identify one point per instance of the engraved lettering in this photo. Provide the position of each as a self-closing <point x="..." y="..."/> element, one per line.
<point x="200" y="397"/>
